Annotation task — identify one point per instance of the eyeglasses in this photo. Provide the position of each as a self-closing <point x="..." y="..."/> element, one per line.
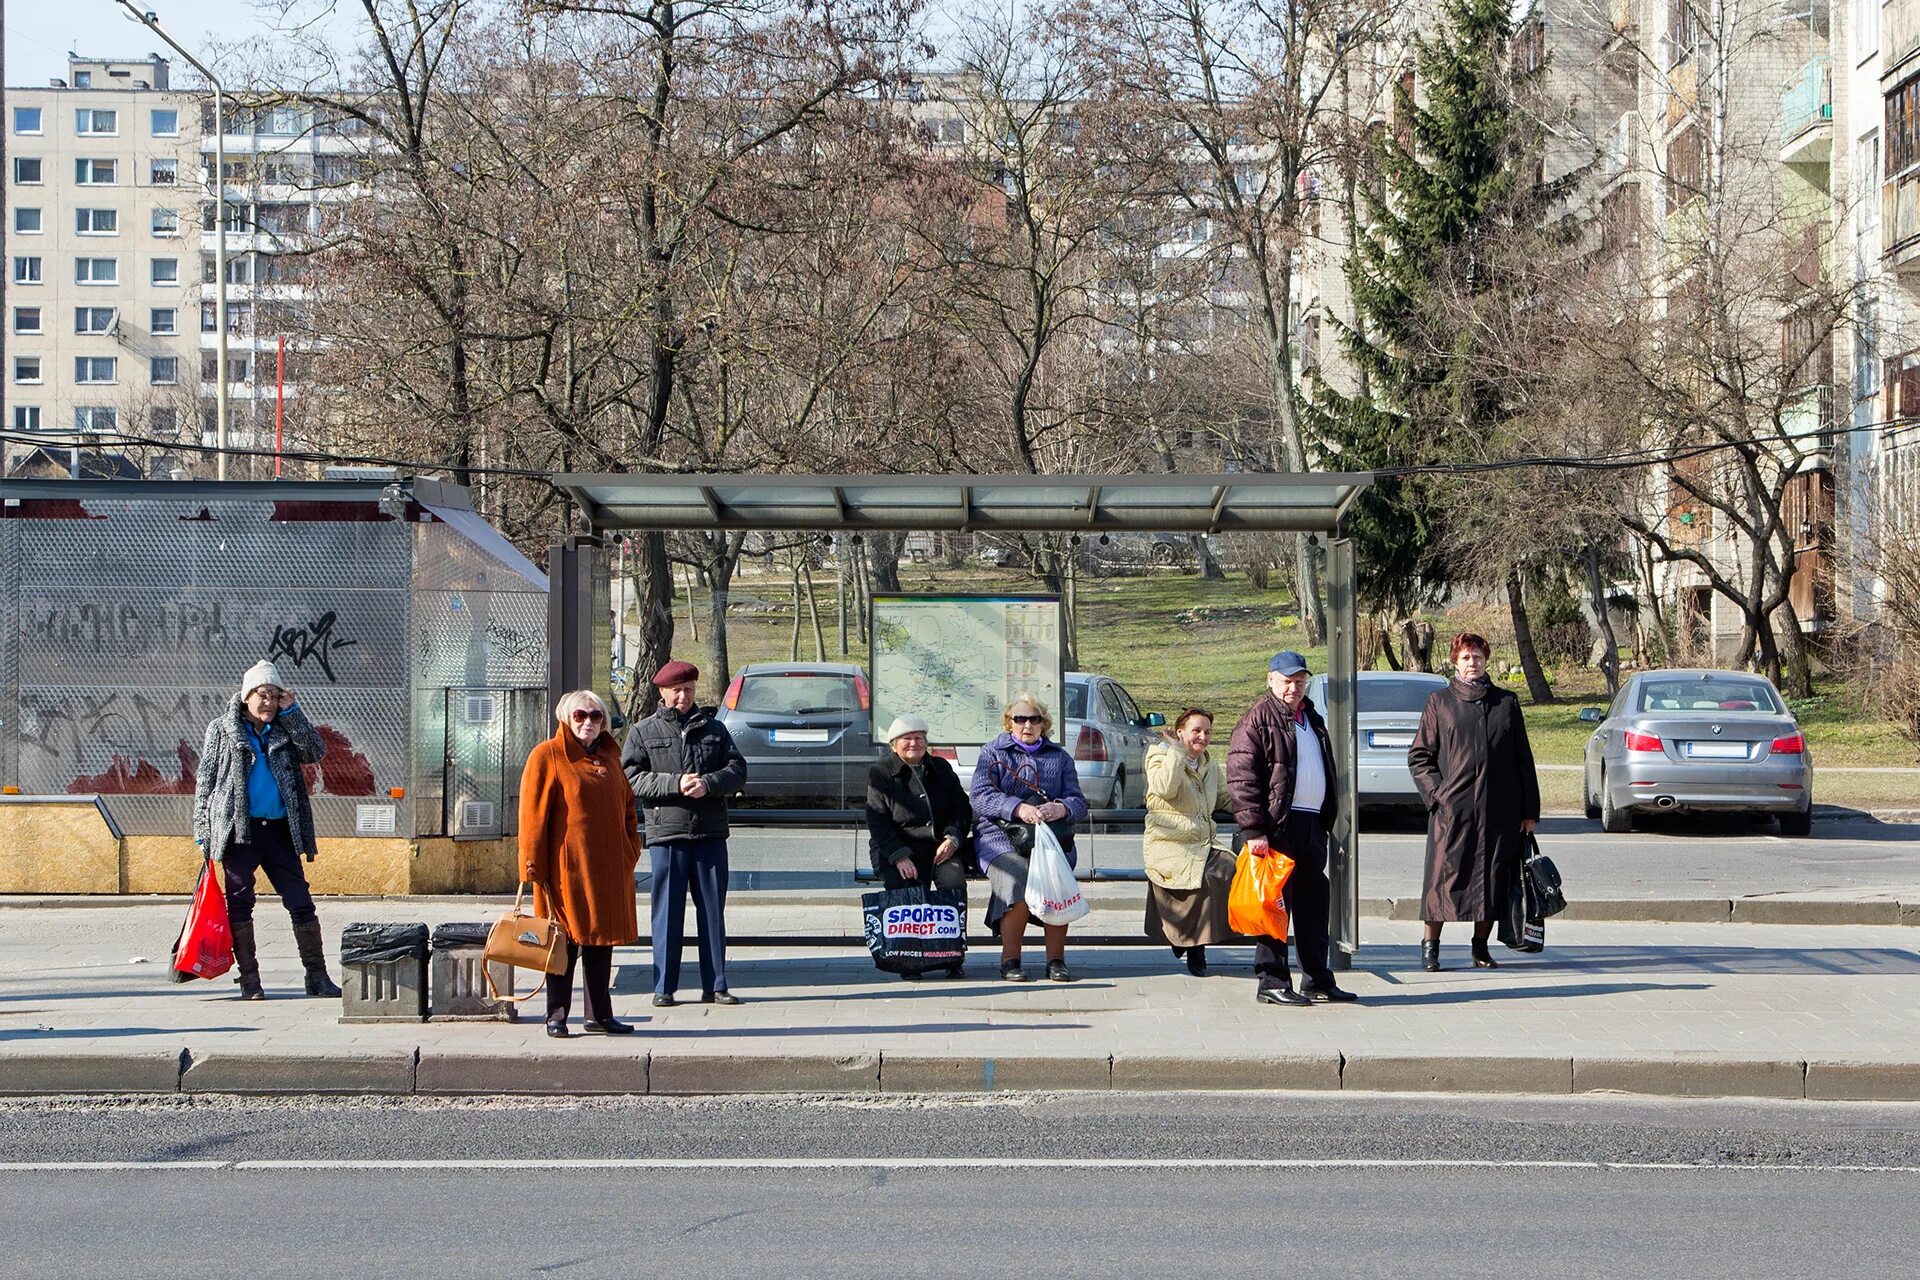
<point x="587" y="717"/>
<point x="1028" y="719"/>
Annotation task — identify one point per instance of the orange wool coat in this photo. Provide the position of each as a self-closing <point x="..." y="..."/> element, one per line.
<point x="578" y="840"/>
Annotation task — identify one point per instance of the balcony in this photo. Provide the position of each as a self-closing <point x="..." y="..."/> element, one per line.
<point x="1806" y="114"/>
<point x="1900" y="223"/>
<point x="1899" y="38"/>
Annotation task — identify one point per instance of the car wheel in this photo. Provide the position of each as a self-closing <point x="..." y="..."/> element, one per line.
<point x="1797" y="824"/>
<point x="1586" y="799"/>
<point x="1118" y="799"/>
<point x="1162" y="554"/>
<point x="1613" y="820"/>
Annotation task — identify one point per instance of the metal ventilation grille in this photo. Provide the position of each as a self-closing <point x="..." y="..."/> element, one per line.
<point x="476" y="816"/>
<point x="482" y="708"/>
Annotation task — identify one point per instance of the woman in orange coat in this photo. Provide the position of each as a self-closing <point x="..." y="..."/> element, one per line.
<point x="579" y="843"/>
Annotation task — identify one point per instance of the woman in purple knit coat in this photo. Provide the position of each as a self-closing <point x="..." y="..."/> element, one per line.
<point x="1023" y="778"/>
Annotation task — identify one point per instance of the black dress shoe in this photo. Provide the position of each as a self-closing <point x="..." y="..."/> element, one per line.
<point x="1011" y="971"/>
<point x="1430" y="954"/>
<point x="956" y="971"/>
<point x="1197" y="961"/>
<point x="912" y="975"/>
<point x="1057" y="971"/>
<point x="1280" y="995"/>
<point x="558" y="1030"/>
<point x="1481" y="960"/>
<point x="1328" y="994"/>
<point x="661" y="1000"/>
<point x="610" y="1027"/>
<point x="719" y="997"/>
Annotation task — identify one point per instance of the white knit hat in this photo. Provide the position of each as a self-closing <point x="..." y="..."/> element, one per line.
<point x="261" y="672"/>
<point x="908" y="723"/>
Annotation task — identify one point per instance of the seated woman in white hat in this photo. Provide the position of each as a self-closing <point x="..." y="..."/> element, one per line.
<point x="918" y="816"/>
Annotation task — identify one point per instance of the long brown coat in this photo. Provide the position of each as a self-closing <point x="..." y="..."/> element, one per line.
<point x="1474" y="768"/>
<point x="578" y="845"/>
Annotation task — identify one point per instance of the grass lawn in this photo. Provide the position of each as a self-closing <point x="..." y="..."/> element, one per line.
<point x="1176" y="640"/>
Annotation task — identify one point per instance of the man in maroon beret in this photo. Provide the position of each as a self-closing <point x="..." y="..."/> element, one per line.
<point x="683" y="764"/>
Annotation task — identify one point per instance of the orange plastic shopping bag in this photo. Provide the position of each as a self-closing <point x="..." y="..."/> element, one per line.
<point x="1254" y="907"/>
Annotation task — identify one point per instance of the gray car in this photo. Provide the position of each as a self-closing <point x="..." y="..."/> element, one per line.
<point x="1106" y="733"/>
<point x="802" y="728"/>
<point x="1389" y="715"/>
<point x="1698" y="741"/>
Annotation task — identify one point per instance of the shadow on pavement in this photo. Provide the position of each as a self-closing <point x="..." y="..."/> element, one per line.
<point x="711" y="1032"/>
<point x="1842" y="962"/>
<point x="102" y="1033"/>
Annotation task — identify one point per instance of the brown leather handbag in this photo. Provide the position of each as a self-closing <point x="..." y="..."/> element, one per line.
<point x="526" y="941"/>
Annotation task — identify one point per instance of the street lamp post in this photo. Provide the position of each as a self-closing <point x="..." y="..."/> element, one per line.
<point x="151" y="21"/>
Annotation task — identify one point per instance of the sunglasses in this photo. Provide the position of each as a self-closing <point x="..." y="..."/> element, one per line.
<point x="585" y="717"/>
<point x="1028" y="719"/>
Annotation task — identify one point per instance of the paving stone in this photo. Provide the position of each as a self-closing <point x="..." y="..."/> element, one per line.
<point x="1692" y="1077"/>
<point x="123" y="1071"/>
<point x="1456" y="1073"/>
<point x="230" y="1071"/>
<point x="769" y="1073"/>
<point x="1650" y="910"/>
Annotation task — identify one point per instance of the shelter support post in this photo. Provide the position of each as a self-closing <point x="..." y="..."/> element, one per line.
<point x="579" y="619"/>
<point x="1344" y="726"/>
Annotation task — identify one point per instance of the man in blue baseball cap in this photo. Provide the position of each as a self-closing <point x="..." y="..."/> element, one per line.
<point x="1280" y="776"/>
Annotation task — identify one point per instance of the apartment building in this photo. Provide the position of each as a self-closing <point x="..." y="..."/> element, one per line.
<point x="102" y="257"/>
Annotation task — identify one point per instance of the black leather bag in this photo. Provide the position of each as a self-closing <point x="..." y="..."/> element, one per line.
<point x="1019" y="835"/>
<point x="1544" y="894"/>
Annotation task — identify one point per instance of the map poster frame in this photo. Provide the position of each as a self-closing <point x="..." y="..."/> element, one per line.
<point x="959" y="613"/>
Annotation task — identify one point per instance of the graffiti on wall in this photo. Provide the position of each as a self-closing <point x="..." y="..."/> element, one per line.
<point x="314" y="642"/>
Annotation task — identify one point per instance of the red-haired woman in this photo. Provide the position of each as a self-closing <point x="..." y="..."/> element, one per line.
<point x="1474" y="769"/>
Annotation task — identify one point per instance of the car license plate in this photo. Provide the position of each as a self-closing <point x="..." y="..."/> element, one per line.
<point x="1390" y="739"/>
<point x="799" y="735"/>
<point x="1717" y="750"/>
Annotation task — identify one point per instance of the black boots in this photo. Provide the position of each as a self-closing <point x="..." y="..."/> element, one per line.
<point x="1197" y="961"/>
<point x="313" y="955"/>
<point x="1481" y="960"/>
<point x="1430" y="954"/>
<point x="246" y="966"/>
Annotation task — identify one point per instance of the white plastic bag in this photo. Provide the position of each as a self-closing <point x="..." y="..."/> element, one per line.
<point x="1053" y="895"/>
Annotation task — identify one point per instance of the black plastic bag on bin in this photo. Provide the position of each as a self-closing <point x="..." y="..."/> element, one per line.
<point x="914" y="930"/>
<point x="382" y="943"/>
<point x="458" y="934"/>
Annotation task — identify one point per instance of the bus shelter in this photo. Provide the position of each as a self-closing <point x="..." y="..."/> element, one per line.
<point x="1313" y="503"/>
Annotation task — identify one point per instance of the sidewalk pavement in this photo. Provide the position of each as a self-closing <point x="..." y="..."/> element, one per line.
<point x="1680" y="1009"/>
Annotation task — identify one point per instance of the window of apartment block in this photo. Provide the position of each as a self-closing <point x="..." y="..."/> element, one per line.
<point x="93" y="319"/>
<point x="26" y="320"/>
<point x="163" y="173"/>
<point x="26" y="270"/>
<point x="1902" y="384"/>
<point x="96" y="271"/>
<point x="26" y="369"/>
<point x="26" y="171"/>
<point x="26" y="222"/>
<point x="1866" y="28"/>
<point x="239" y="269"/>
<point x="164" y="122"/>
<point x="94" y="417"/>
<point x="96" y="173"/>
<point x="163" y="320"/>
<point x="1866" y="347"/>
<point x="92" y="122"/>
<point x="165" y="370"/>
<point x="26" y="417"/>
<point x="164" y="420"/>
<point x="1866" y="171"/>
<point x="1902" y="128"/>
<point x="91" y="370"/>
<point x="26" y="120"/>
<point x="166" y="222"/>
<point x="1683" y="31"/>
<point x="96" y="222"/>
<point x="166" y="271"/>
<point x="283" y="122"/>
<point x="1683" y="168"/>
<point x="239" y="316"/>
<point x="237" y="366"/>
<point x="83" y="79"/>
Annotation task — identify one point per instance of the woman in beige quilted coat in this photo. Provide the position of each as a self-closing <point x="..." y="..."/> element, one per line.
<point x="1188" y="878"/>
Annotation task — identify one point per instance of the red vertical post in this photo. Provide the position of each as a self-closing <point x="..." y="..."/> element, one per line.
<point x="279" y="403"/>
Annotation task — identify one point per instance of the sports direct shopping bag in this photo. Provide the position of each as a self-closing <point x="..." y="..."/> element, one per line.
<point x="1053" y="895"/>
<point x="911" y="930"/>
<point x="205" y="949"/>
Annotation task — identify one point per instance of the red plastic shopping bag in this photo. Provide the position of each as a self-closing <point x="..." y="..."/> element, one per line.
<point x="205" y="949"/>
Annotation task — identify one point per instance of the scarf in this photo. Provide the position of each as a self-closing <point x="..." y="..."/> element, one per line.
<point x="1471" y="690"/>
<point x="1033" y="750"/>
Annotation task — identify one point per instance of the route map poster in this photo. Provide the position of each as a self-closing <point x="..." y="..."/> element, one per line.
<point x="956" y="659"/>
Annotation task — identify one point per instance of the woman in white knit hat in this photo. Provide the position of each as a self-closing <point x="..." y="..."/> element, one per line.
<point x="251" y="813"/>
<point x="918" y="817"/>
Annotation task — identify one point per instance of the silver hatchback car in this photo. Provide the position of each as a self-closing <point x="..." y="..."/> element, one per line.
<point x="1697" y="741"/>
<point x="1389" y="716"/>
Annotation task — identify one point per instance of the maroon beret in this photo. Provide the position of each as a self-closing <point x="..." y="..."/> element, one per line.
<point x="675" y="672"/>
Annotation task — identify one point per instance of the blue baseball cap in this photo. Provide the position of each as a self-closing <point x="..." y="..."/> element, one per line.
<point x="1287" y="663"/>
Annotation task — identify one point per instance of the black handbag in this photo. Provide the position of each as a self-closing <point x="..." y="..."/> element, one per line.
<point x="1543" y="884"/>
<point x="1019" y="835"/>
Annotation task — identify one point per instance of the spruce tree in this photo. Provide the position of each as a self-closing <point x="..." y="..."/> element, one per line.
<point x="1447" y="236"/>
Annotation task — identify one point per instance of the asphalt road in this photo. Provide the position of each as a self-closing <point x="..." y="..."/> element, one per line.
<point x="1676" y="858"/>
<point x="1063" y="1185"/>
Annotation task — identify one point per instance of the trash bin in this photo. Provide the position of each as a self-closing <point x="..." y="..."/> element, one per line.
<point x="385" y="973"/>
<point x="459" y="970"/>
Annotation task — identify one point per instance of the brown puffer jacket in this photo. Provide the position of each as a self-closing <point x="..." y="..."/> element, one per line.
<point x="578" y="844"/>
<point x="1260" y="769"/>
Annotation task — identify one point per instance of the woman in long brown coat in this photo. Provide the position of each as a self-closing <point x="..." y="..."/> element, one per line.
<point x="1474" y="769"/>
<point x="579" y="844"/>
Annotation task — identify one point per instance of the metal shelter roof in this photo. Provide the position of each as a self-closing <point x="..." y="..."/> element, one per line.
<point x="1288" y="502"/>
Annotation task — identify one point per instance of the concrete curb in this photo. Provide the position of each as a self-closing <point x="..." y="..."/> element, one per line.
<point x="624" y="1067"/>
